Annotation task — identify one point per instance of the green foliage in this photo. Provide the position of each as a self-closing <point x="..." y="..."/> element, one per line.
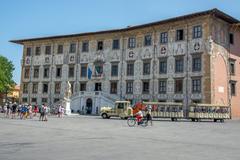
<point x="6" y="75"/>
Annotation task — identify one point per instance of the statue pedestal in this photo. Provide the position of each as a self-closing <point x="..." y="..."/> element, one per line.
<point x="66" y="105"/>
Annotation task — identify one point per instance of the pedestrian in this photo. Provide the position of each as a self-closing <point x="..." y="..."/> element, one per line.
<point x="8" y="110"/>
<point x="24" y="111"/>
<point x="5" y="110"/>
<point x="46" y="111"/>
<point x="59" y="110"/>
<point x="149" y="114"/>
<point x="30" y="111"/>
<point x="62" y="111"/>
<point x="14" y="110"/>
<point x="41" y="108"/>
<point x="35" y="110"/>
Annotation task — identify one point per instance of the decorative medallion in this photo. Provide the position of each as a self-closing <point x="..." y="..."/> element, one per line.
<point x="163" y="50"/>
<point x="196" y="46"/>
<point x="131" y="54"/>
<point x="72" y="58"/>
<point x="27" y="60"/>
<point x="46" y="59"/>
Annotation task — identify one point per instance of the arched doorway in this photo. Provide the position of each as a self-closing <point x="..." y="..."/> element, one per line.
<point x="89" y="106"/>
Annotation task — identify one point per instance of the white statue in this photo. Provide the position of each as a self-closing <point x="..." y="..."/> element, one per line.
<point x="68" y="92"/>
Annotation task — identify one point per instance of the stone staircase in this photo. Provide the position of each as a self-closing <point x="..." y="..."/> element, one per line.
<point x="99" y="98"/>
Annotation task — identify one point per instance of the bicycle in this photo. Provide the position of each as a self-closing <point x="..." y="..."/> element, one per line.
<point x="132" y="121"/>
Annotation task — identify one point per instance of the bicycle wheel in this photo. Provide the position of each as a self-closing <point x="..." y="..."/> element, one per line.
<point x="131" y="122"/>
<point x="144" y="123"/>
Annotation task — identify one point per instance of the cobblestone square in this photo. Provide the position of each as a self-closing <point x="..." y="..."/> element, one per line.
<point x="93" y="138"/>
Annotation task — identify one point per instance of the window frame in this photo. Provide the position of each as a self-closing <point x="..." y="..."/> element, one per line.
<point x="131" y="42"/>
<point x="180" y="35"/>
<point x="196" y="85"/>
<point x="115" y="46"/>
<point x="148" y="40"/>
<point x="197" y="31"/>
<point x="163" y="37"/>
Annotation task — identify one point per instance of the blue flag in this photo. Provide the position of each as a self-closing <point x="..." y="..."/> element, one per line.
<point x="89" y="73"/>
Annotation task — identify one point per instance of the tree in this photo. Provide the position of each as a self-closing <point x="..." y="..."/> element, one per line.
<point x="6" y="75"/>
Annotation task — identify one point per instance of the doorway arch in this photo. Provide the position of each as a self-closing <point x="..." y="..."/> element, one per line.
<point x="89" y="106"/>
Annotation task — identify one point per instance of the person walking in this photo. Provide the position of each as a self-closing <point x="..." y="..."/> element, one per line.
<point x="59" y="111"/>
<point x="14" y="110"/>
<point x="35" y="110"/>
<point x="46" y="111"/>
<point x="41" y="111"/>
<point x="30" y="111"/>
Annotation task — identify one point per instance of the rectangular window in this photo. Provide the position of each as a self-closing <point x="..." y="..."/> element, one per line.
<point x="197" y="32"/>
<point x="83" y="71"/>
<point x="25" y="88"/>
<point x="45" y="88"/>
<point x="113" y="88"/>
<point x="196" y="63"/>
<point x="115" y="44"/>
<point x="231" y="38"/>
<point x="180" y="35"/>
<point x="98" y="86"/>
<point x="36" y="72"/>
<point x="72" y="48"/>
<point x="35" y="88"/>
<point x="164" y="37"/>
<point x="179" y="65"/>
<point x="60" y="49"/>
<point x="82" y="86"/>
<point x="148" y="40"/>
<point x="178" y="85"/>
<point x="34" y="100"/>
<point x="196" y="85"/>
<point x="26" y="73"/>
<point x="233" y="88"/>
<point x="100" y="45"/>
<point x="130" y="69"/>
<point x="48" y="50"/>
<point x="24" y="100"/>
<point x="58" y="71"/>
<point x="145" y="87"/>
<point x="29" y="51"/>
<point x="85" y="46"/>
<point x="146" y="68"/>
<point x="57" y="87"/>
<point x="129" y="87"/>
<point x="37" y="51"/>
<point x="114" y="71"/>
<point x="46" y="72"/>
<point x="71" y="71"/>
<point x="132" y="42"/>
<point x="44" y="100"/>
<point x="163" y="66"/>
<point x="232" y="66"/>
<point x="56" y="100"/>
<point x="162" y="86"/>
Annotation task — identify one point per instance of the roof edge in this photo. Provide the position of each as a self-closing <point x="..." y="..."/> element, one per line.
<point x="214" y="11"/>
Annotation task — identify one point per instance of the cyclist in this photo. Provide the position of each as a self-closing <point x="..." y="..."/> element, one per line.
<point x="139" y="116"/>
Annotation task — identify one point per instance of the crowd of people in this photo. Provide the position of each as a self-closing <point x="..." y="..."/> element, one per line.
<point x="27" y="111"/>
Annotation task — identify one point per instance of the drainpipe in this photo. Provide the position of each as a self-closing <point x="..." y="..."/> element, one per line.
<point x="187" y="71"/>
<point x="50" y="85"/>
<point x="121" y="78"/>
<point x="154" y="62"/>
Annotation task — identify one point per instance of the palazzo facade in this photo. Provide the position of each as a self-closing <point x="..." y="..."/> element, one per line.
<point x="189" y="59"/>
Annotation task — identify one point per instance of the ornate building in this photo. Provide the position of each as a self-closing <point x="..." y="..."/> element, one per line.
<point x="185" y="59"/>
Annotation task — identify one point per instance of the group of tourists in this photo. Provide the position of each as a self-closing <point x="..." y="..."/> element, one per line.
<point x="25" y="111"/>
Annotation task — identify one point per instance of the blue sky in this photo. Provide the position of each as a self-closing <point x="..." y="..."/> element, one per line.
<point x="38" y="18"/>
